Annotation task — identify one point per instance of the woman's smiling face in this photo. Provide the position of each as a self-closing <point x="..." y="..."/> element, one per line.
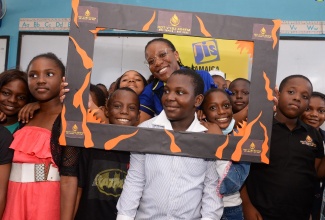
<point x="161" y="59"/>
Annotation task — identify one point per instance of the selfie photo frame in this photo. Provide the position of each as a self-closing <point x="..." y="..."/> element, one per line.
<point x="249" y="143"/>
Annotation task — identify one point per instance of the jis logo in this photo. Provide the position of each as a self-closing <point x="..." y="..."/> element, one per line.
<point x="205" y="52"/>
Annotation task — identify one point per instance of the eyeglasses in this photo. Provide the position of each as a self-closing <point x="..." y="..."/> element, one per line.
<point x="159" y="55"/>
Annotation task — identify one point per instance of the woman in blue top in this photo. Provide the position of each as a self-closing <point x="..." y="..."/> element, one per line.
<point x="162" y="60"/>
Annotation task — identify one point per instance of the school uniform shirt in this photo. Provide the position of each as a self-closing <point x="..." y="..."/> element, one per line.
<point x="322" y="215"/>
<point x="6" y="154"/>
<point x="284" y="189"/>
<point x="150" y="98"/>
<point x="322" y="132"/>
<point x="164" y="187"/>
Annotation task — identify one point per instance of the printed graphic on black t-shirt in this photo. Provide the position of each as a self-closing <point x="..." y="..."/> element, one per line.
<point x="101" y="177"/>
<point x="106" y="183"/>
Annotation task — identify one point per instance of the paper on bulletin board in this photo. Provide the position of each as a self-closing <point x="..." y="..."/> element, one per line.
<point x="232" y="57"/>
<point x="3" y="53"/>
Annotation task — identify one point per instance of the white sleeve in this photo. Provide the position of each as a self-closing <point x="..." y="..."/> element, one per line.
<point x="212" y="205"/>
<point x="129" y="200"/>
<point x="123" y="217"/>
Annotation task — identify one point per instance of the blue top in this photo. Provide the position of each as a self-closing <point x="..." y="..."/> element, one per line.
<point x="12" y="128"/>
<point x="237" y="173"/>
<point x="150" y="98"/>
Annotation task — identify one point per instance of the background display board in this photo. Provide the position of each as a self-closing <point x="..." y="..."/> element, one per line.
<point x="297" y="55"/>
<point x="4" y="44"/>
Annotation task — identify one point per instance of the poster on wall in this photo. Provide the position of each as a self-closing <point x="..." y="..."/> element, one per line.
<point x="232" y="57"/>
<point x="4" y="44"/>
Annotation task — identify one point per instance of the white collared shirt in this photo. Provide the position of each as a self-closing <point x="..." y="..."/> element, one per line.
<point x="170" y="187"/>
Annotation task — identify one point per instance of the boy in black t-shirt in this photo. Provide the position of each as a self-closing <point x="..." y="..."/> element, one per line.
<point x="284" y="189"/>
<point x="102" y="173"/>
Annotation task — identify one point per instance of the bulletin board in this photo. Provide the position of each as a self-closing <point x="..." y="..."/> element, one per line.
<point x="305" y="56"/>
<point x="4" y="49"/>
<point x="124" y="49"/>
<point x="296" y="55"/>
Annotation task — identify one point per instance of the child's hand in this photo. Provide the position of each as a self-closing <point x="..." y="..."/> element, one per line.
<point x="96" y="116"/>
<point x="101" y="115"/>
<point x="241" y="115"/>
<point x="63" y="90"/>
<point x="200" y="115"/>
<point x="2" y="116"/>
<point x="96" y="113"/>
<point x="212" y="127"/>
<point x="275" y="99"/>
<point x="27" y="112"/>
<point x="251" y="213"/>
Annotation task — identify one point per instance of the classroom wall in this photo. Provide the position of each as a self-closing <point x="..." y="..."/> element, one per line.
<point x="308" y="10"/>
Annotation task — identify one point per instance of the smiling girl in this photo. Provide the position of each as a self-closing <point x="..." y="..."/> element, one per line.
<point x="14" y="95"/>
<point x="133" y="80"/>
<point x="34" y="187"/>
<point x="217" y="109"/>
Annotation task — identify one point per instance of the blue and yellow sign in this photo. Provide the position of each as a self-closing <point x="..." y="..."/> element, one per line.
<point x="232" y="57"/>
<point x="205" y="51"/>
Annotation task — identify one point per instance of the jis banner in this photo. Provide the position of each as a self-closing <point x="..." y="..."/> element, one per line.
<point x="233" y="57"/>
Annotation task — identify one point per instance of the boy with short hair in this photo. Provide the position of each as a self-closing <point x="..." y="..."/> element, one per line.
<point x="173" y="187"/>
<point x="284" y="189"/>
<point x="239" y="98"/>
<point x="240" y="94"/>
<point x="98" y="168"/>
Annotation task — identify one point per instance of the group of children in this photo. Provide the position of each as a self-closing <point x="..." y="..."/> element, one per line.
<point x="54" y="182"/>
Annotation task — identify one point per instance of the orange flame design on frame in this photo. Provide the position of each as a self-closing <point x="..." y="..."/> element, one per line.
<point x="249" y="46"/>
<point x="109" y="145"/>
<point x="277" y="24"/>
<point x="62" y="139"/>
<point x="238" y="151"/>
<point x="91" y="117"/>
<point x="77" y="101"/>
<point x="74" y="5"/>
<point x="86" y="60"/>
<point x="147" y="25"/>
<point x="220" y="149"/>
<point x="96" y="31"/>
<point x="240" y="131"/>
<point x="202" y="27"/>
<point x="265" y="147"/>
<point x="173" y="146"/>
<point x="268" y="90"/>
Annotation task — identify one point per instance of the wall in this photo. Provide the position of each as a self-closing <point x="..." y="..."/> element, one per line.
<point x="286" y="10"/>
<point x="113" y="55"/>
